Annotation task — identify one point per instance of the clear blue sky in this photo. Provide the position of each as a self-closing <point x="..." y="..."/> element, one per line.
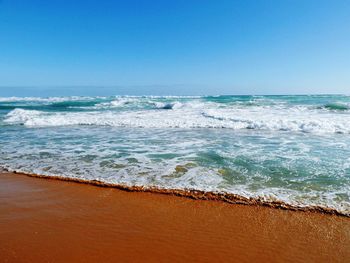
<point x="176" y="47"/>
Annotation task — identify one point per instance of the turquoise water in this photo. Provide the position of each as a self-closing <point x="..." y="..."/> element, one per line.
<point x="290" y="148"/>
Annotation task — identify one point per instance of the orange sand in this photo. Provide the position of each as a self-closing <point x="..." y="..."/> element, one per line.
<point x="55" y="221"/>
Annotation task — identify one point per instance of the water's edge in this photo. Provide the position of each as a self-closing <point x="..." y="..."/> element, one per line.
<point x="192" y="194"/>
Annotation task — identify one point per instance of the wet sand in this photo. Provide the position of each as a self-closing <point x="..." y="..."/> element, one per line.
<point x="45" y="220"/>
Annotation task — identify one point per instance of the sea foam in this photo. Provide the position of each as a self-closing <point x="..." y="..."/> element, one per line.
<point x="177" y="115"/>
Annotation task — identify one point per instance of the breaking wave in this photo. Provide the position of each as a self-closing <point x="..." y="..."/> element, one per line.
<point x="183" y="116"/>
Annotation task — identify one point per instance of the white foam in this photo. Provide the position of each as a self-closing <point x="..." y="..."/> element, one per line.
<point x="117" y="103"/>
<point x="168" y="105"/>
<point x="195" y="179"/>
<point x="297" y="119"/>
<point x="104" y="154"/>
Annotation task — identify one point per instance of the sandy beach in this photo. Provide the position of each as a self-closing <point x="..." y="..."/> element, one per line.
<point x="174" y="131"/>
<point x="45" y="220"/>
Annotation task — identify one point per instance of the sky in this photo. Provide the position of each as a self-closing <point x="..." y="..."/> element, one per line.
<point x="179" y="47"/>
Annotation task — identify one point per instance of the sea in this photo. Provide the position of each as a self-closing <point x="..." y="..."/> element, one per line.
<point x="290" y="149"/>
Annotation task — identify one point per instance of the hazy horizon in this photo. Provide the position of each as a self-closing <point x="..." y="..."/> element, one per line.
<point x="156" y="90"/>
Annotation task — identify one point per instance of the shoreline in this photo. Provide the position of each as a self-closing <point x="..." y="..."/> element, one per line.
<point x="194" y="194"/>
<point x="56" y="220"/>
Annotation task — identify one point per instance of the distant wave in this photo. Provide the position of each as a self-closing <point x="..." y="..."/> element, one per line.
<point x="331" y="103"/>
<point x="336" y="106"/>
<point x="74" y="98"/>
<point x="45" y="99"/>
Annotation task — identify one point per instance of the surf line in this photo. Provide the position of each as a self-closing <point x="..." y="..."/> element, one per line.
<point x="192" y="194"/>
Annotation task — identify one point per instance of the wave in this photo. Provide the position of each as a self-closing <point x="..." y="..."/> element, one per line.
<point x="325" y="103"/>
<point x="116" y="103"/>
<point x="336" y="106"/>
<point x="168" y="105"/>
<point x="73" y="98"/>
<point x="296" y="120"/>
<point x="315" y="114"/>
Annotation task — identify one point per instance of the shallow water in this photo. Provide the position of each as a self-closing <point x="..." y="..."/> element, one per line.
<point x="290" y="148"/>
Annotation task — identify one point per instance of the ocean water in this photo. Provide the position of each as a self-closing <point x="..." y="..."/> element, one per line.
<point x="294" y="149"/>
